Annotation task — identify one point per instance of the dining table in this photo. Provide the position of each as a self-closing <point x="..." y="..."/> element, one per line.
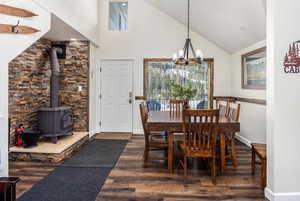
<point x="164" y="121"/>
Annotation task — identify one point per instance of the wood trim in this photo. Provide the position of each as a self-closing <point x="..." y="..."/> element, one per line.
<point x="210" y="62"/>
<point x="211" y="69"/>
<point x="258" y="87"/>
<point x="240" y="99"/>
<point x="252" y="100"/>
<point x="140" y="98"/>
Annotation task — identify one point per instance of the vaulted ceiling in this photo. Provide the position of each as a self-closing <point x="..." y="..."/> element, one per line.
<point x="230" y="24"/>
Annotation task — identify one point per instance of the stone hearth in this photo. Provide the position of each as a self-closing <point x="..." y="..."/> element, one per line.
<point x="49" y="152"/>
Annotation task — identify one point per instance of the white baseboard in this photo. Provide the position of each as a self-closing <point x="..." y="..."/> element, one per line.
<point x="138" y="132"/>
<point x="243" y="140"/>
<point x="92" y="133"/>
<point x="281" y="196"/>
<point x="269" y="194"/>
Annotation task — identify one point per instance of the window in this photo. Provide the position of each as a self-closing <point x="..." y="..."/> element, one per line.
<point x="118" y="15"/>
<point x="159" y="73"/>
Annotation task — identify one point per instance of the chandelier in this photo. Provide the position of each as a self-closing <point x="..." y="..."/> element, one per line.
<point x="184" y="55"/>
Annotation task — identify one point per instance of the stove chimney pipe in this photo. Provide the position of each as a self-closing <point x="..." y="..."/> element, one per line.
<point x="54" y="87"/>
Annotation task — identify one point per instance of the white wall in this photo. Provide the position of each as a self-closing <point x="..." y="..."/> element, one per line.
<point x="11" y="46"/>
<point x="253" y="116"/>
<point x="283" y="103"/>
<point x="4" y="119"/>
<point x="82" y="15"/>
<point x="153" y="34"/>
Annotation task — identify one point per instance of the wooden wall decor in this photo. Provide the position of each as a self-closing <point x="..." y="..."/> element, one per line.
<point x="18" y="12"/>
<point x="6" y="28"/>
<point x="292" y="59"/>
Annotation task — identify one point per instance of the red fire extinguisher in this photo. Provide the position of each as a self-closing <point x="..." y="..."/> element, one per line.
<point x="19" y="130"/>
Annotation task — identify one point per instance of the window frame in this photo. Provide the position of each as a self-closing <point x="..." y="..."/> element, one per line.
<point x="210" y="62"/>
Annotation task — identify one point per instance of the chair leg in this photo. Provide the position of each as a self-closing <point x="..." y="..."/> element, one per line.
<point x="170" y="152"/>
<point x="213" y="170"/>
<point x="263" y="173"/>
<point x="146" y="156"/>
<point x="233" y="152"/>
<point x="253" y="162"/>
<point x="185" y="169"/>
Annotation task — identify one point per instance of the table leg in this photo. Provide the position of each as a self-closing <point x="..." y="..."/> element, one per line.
<point x="222" y="151"/>
<point x="170" y="151"/>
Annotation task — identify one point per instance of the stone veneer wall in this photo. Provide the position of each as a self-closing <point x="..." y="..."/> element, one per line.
<point x="75" y="73"/>
<point x="29" y="84"/>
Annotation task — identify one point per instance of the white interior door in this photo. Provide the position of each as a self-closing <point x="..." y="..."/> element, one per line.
<point x="116" y="96"/>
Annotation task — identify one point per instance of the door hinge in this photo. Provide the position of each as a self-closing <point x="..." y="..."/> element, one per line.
<point x="100" y="123"/>
<point x="100" y="69"/>
<point x="100" y="96"/>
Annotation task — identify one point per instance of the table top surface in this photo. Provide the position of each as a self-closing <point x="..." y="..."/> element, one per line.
<point x="165" y="117"/>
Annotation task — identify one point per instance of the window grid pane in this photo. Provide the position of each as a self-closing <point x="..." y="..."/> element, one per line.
<point x="118" y="16"/>
<point x="160" y="74"/>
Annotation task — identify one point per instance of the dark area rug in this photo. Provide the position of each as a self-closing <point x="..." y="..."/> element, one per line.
<point x="81" y="177"/>
<point x="98" y="153"/>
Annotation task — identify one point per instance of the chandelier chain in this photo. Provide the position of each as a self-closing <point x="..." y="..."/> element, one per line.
<point x="184" y="54"/>
<point x="188" y="21"/>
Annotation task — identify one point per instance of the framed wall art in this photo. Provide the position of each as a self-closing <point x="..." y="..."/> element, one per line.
<point x="254" y="66"/>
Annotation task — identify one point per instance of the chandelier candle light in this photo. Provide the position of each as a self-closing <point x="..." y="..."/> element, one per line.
<point x="183" y="56"/>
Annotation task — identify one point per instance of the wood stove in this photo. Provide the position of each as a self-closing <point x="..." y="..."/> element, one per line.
<point x="56" y="120"/>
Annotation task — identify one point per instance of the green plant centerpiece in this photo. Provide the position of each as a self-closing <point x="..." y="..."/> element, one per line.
<point x="179" y="91"/>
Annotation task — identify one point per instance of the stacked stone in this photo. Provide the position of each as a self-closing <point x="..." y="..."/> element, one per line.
<point x="74" y="73"/>
<point x="29" y="84"/>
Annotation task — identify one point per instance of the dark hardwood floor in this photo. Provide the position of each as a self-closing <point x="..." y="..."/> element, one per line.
<point x="129" y="181"/>
<point x="30" y="173"/>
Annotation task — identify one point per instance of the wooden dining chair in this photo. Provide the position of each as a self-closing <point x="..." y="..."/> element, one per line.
<point x="233" y="114"/>
<point x="176" y="106"/>
<point x="153" y="105"/>
<point x="260" y="150"/>
<point x="200" y="130"/>
<point x="153" y="141"/>
<point x="223" y="107"/>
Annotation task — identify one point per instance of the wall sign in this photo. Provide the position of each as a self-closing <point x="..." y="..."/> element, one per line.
<point x="292" y="60"/>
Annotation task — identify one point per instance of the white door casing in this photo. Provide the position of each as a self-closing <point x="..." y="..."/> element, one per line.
<point x="98" y="99"/>
<point x="116" y="95"/>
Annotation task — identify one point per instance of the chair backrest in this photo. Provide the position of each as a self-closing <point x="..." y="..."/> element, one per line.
<point x="176" y="106"/>
<point x="200" y="127"/>
<point x="223" y="107"/>
<point x="153" y="105"/>
<point x="202" y="104"/>
<point x="234" y="111"/>
<point x="144" y="118"/>
<point x="228" y="99"/>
